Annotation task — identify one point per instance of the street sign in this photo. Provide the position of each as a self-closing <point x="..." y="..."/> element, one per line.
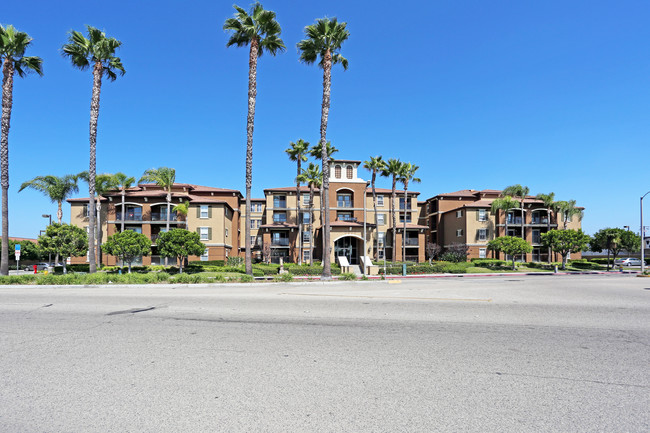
<point x="17" y="247"/>
<point x="17" y="252"/>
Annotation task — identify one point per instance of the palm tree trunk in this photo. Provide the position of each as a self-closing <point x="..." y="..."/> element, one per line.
<point x="374" y="205"/>
<point x="59" y="211"/>
<point x="169" y="202"/>
<point x="94" y="115"/>
<point x="123" y="213"/>
<point x="406" y="185"/>
<point x="7" y="103"/>
<point x="250" y="124"/>
<point x="298" y="210"/>
<point x="394" y="217"/>
<point x="99" y="233"/>
<point x="325" y="109"/>
<point x="523" y="236"/>
<point x="548" y="229"/>
<point x="311" y="225"/>
<point x="506" y="234"/>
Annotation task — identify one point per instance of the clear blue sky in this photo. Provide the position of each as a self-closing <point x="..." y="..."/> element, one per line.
<point x="553" y="95"/>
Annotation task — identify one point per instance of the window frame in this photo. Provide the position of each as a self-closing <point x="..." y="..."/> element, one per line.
<point x="207" y="233"/>
<point x="207" y="211"/>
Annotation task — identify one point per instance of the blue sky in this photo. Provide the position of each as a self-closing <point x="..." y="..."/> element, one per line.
<point x="553" y="95"/>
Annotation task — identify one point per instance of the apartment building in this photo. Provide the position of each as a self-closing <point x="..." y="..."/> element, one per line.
<point x="351" y="203"/>
<point x="258" y="218"/>
<point x="465" y="217"/>
<point x="214" y="213"/>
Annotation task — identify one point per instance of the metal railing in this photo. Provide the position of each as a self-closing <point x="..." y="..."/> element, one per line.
<point x="411" y="241"/>
<point x="129" y="217"/>
<point x="280" y="242"/>
<point x="162" y="216"/>
<point x="347" y="218"/>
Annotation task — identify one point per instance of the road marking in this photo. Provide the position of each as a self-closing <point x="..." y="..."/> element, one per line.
<point x="388" y="297"/>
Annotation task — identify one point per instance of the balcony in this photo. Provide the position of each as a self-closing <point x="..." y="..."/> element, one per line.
<point x="540" y="221"/>
<point x="281" y="242"/>
<point x="411" y="242"/>
<point x="346" y="218"/>
<point x="162" y="216"/>
<point x="129" y="216"/>
<point x="514" y="220"/>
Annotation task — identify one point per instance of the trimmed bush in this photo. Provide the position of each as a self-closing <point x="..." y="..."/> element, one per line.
<point x="348" y="276"/>
<point x="245" y="278"/>
<point x="490" y="263"/>
<point x="207" y="263"/>
<point x="284" y="278"/>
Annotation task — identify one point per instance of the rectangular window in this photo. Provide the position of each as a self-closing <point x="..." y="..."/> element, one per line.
<point x="306" y="236"/>
<point x="203" y="233"/>
<point x="381" y="237"/>
<point x="85" y="212"/>
<point x="459" y="214"/>
<point x="255" y="224"/>
<point x="344" y="200"/>
<point x="459" y="233"/>
<point x="253" y="240"/>
<point x="381" y="219"/>
<point x="204" y="211"/>
<point x="305" y="217"/>
<point x="380" y="200"/>
<point x="305" y="256"/>
<point x="205" y="256"/>
<point x="344" y="216"/>
<point x="380" y="254"/>
<point x="279" y="217"/>
<point x="280" y="239"/>
<point x="482" y="215"/>
<point x="537" y="238"/>
<point x="305" y="199"/>
<point x="408" y="217"/>
<point x="280" y="201"/>
<point x="482" y="253"/>
<point x="401" y="203"/>
<point x="482" y="234"/>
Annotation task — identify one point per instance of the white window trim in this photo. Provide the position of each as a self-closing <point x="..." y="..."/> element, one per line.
<point x="207" y="233"/>
<point x="380" y="200"/>
<point x="459" y="233"/>
<point x="459" y="213"/>
<point x="482" y="215"/>
<point x="482" y="253"/>
<point x="207" y="212"/>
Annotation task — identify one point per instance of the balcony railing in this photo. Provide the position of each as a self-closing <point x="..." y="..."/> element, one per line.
<point x="344" y="203"/>
<point x="279" y="204"/>
<point x="411" y="241"/>
<point x="514" y="220"/>
<point x="540" y="220"/>
<point x="347" y="218"/>
<point x="280" y="242"/>
<point x="129" y="216"/>
<point x="162" y="216"/>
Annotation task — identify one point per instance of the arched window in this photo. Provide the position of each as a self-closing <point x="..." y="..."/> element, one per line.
<point x="337" y="171"/>
<point x="348" y="172"/>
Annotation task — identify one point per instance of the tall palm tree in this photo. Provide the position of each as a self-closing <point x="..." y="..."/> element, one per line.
<point x="313" y="177"/>
<point x="298" y="152"/>
<point x="57" y="189"/>
<point x="96" y="51"/>
<point x="518" y="192"/>
<point x="568" y="210"/>
<point x="392" y="169"/>
<point x="317" y="152"/>
<point x="375" y="164"/>
<point x="165" y="178"/>
<point x="261" y="32"/>
<point x="13" y="45"/>
<point x="123" y="182"/>
<point x="103" y="184"/>
<point x="548" y="200"/>
<point x="406" y="175"/>
<point x="323" y="41"/>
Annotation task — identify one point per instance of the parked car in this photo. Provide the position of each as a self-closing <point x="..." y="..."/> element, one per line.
<point x="629" y="261"/>
<point x="39" y="267"/>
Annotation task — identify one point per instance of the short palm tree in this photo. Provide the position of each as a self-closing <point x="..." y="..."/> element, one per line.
<point x="375" y="165"/>
<point x="568" y="210"/>
<point x="183" y="209"/>
<point x="323" y="44"/>
<point x="518" y="192"/>
<point x="406" y="175"/>
<point x="298" y="152"/>
<point x="261" y="32"/>
<point x="392" y="169"/>
<point x="123" y="182"/>
<point x="13" y="45"/>
<point x="57" y="189"/>
<point x="504" y="204"/>
<point x="96" y="51"/>
<point x="548" y="200"/>
<point x="313" y="177"/>
<point x="165" y="178"/>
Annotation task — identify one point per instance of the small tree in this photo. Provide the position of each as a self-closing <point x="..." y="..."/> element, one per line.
<point x="127" y="245"/>
<point x="64" y="240"/>
<point x="455" y="253"/>
<point x="180" y="243"/>
<point x="565" y="242"/>
<point x="614" y="240"/>
<point x="510" y="245"/>
<point x="28" y="250"/>
<point x="433" y="250"/>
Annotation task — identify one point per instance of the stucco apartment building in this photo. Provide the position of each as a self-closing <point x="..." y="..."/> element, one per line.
<point x="465" y="217"/>
<point x="213" y="213"/>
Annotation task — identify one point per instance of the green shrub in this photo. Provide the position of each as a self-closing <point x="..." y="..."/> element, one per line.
<point x="235" y="261"/>
<point x="348" y="276"/>
<point x="219" y="279"/>
<point x="490" y="263"/>
<point x="270" y="269"/>
<point x="245" y="278"/>
<point x="207" y="263"/>
<point x="425" y="268"/>
<point x="82" y="267"/>
<point x="285" y="278"/>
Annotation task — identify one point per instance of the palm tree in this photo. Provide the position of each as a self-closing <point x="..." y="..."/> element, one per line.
<point x="317" y="152"/>
<point x="313" y="177"/>
<point x="165" y="178"/>
<point x="261" y="32"/>
<point x="182" y="209"/>
<point x="520" y="192"/>
<point x="103" y="184"/>
<point x="548" y="200"/>
<point x="298" y="152"/>
<point x="374" y="164"/>
<point x="323" y="41"/>
<point x="13" y="45"/>
<point x="123" y="182"/>
<point x="97" y="51"/>
<point x="568" y="210"/>
<point x="406" y="175"/>
<point x="504" y="204"/>
<point x="392" y="169"/>
<point x="57" y="189"/>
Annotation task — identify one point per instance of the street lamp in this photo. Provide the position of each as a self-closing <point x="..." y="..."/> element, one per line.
<point x="48" y="216"/>
<point x="49" y="255"/>
<point x="642" y="235"/>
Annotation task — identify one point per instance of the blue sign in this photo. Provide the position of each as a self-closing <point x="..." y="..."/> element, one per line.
<point x="17" y="247"/>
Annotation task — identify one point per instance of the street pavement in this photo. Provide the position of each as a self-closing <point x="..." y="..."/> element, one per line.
<point x="554" y="353"/>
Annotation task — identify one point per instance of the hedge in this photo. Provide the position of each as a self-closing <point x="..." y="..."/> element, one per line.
<point x="435" y="268"/>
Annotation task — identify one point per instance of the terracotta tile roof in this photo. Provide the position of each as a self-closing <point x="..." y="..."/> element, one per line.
<point x="335" y="160"/>
<point x="303" y="188"/>
<point x="389" y="191"/>
<point x="83" y="199"/>
<point x="13" y="238"/>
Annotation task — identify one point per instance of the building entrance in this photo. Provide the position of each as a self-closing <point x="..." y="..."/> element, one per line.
<point x="347" y="247"/>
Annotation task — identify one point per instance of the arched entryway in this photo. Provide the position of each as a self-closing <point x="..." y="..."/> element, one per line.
<point x="348" y="246"/>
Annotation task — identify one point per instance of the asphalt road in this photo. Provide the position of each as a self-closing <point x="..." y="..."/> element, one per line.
<point x="517" y="354"/>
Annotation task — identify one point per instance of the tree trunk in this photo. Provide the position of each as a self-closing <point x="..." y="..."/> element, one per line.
<point x="129" y="267"/>
<point x="299" y="215"/>
<point x="59" y="212"/>
<point x="7" y="103"/>
<point x="311" y="225"/>
<point x="94" y="116"/>
<point x="169" y="201"/>
<point x="123" y="212"/>
<point x="406" y="185"/>
<point x="99" y="233"/>
<point x="180" y="265"/>
<point x="325" y="109"/>
<point x="250" y="124"/>
<point x="514" y="267"/>
<point x="564" y="262"/>
<point x="394" y="218"/>
<point x="506" y="233"/>
<point x="374" y="205"/>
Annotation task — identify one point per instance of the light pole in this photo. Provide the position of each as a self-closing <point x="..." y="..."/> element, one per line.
<point x="49" y="255"/>
<point x="642" y="235"/>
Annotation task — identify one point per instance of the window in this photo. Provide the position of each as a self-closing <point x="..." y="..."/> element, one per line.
<point x="85" y="212"/>
<point x="280" y="239"/>
<point x="482" y="253"/>
<point x="380" y="200"/>
<point x="345" y="216"/>
<point x="305" y="217"/>
<point x="256" y="207"/>
<point x="253" y="240"/>
<point x="226" y="232"/>
<point x="306" y="236"/>
<point x="205" y="256"/>
<point x="255" y="224"/>
<point x="408" y="217"/>
<point x="380" y="254"/>
<point x="279" y="201"/>
<point x="401" y="203"/>
<point x="537" y="238"/>
<point x="279" y="217"/>
<point x="204" y="233"/>
<point x="381" y="238"/>
<point x="567" y="218"/>
<point x="204" y="211"/>
<point x="482" y="234"/>
<point x="305" y="256"/>
<point x="337" y="171"/>
<point x="349" y="172"/>
<point x="344" y="200"/>
<point x="305" y="199"/>
<point x="459" y="214"/>
<point x="459" y="233"/>
<point x="137" y="229"/>
<point x="482" y="215"/>
<point x="381" y="219"/>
